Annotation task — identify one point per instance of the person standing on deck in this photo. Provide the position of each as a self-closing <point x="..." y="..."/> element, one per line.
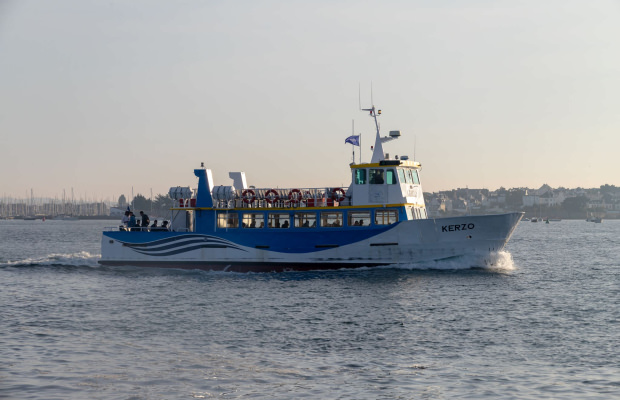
<point x="125" y="219"/>
<point x="145" y="219"/>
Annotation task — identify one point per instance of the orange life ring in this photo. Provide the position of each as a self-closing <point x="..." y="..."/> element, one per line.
<point x="295" y="196"/>
<point x="271" y="199"/>
<point x="336" y="196"/>
<point x="248" y="196"/>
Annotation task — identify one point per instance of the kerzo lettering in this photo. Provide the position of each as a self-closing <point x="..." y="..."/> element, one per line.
<point x="457" y="227"/>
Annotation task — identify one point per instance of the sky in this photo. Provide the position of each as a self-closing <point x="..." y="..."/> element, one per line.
<point x="119" y="97"/>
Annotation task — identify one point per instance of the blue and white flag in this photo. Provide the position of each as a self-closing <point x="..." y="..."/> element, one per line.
<point x="354" y="140"/>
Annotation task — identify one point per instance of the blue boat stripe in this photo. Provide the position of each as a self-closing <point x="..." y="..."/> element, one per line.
<point x="185" y="246"/>
<point x="167" y="246"/>
<point x="171" y="239"/>
<point x="186" y="249"/>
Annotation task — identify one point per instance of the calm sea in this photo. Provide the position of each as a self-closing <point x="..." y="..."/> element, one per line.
<point x="544" y="323"/>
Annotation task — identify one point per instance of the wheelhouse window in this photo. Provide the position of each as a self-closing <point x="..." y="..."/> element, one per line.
<point x="278" y="220"/>
<point x="390" y="176"/>
<point x="386" y="217"/>
<point x="423" y="213"/>
<point x="227" y="220"/>
<point x="331" y="219"/>
<point x="414" y="175"/>
<point x="360" y="176"/>
<point x="358" y="218"/>
<point x="401" y="175"/>
<point x="407" y="174"/>
<point x="376" y="176"/>
<point x="305" y="220"/>
<point x="253" y="220"/>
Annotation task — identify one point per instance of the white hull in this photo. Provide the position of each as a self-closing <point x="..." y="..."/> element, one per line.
<point x="407" y="242"/>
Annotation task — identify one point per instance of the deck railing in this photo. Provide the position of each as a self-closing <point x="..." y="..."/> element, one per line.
<point x="134" y="229"/>
<point x="284" y="198"/>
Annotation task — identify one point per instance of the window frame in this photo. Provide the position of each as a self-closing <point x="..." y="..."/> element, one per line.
<point x="394" y="179"/>
<point x="361" y="171"/>
<point x="373" y="179"/>
<point x="353" y="216"/>
<point x="299" y="221"/>
<point x="326" y="216"/>
<point x="246" y="220"/>
<point x="385" y="216"/>
<point x="272" y="217"/>
<point x="224" y="218"/>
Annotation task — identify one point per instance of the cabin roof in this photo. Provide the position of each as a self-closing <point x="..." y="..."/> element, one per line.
<point x="389" y="163"/>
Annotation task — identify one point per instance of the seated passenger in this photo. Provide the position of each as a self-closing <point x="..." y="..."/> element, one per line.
<point x="262" y="225"/>
<point x="306" y="224"/>
<point x="361" y="223"/>
<point x="285" y="224"/>
<point x="253" y="224"/>
<point x="154" y="224"/>
<point x="164" y="226"/>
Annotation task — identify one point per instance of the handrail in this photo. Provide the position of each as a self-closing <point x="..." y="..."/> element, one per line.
<point x="122" y="228"/>
<point x="282" y="198"/>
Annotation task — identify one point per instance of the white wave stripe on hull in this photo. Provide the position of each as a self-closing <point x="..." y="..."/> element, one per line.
<point x="407" y="242"/>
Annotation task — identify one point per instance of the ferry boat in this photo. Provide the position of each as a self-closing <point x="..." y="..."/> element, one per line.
<point x="380" y="219"/>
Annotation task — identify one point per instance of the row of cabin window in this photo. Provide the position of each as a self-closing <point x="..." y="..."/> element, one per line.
<point x="379" y="176"/>
<point x="305" y="219"/>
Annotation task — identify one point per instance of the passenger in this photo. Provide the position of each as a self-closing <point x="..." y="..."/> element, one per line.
<point x="145" y="219"/>
<point x="262" y="225"/>
<point x="356" y="223"/>
<point x="154" y="224"/>
<point x="306" y="224"/>
<point x="164" y="226"/>
<point x="253" y="224"/>
<point x="285" y="224"/>
<point x="377" y="177"/>
<point x="125" y="219"/>
<point x="361" y="222"/>
<point x="132" y="221"/>
<point x="313" y="225"/>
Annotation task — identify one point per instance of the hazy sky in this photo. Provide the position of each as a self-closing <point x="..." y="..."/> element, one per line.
<point x="103" y="96"/>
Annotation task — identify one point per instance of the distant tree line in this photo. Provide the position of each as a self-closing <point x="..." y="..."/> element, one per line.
<point x="160" y="205"/>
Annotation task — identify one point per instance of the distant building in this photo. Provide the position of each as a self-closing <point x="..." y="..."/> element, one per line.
<point x="117" y="212"/>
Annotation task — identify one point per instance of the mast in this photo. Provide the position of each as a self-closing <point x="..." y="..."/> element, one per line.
<point x="377" y="154"/>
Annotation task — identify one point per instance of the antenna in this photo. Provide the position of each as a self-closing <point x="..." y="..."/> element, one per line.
<point x="372" y="102"/>
<point x="353" y="134"/>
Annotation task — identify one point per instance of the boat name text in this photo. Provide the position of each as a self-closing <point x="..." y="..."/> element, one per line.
<point x="457" y="227"/>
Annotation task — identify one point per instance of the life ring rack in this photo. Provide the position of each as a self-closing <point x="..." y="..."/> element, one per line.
<point x="271" y="199"/>
<point x="338" y="194"/>
<point x="295" y="196"/>
<point x="248" y="196"/>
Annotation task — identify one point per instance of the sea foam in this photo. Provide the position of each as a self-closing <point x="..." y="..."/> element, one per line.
<point x="82" y="258"/>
